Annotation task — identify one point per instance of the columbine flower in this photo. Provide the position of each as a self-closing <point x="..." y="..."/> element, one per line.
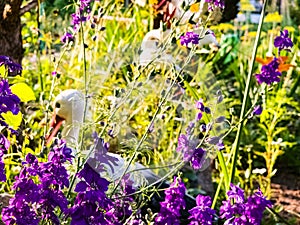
<point x="189" y="37"/>
<point x="283" y="42"/>
<point x="269" y="73"/>
<point x="212" y="4"/>
<point x="10" y="64"/>
<point x="238" y="210"/>
<point x="174" y="201"/>
<point x="202" y="213"/>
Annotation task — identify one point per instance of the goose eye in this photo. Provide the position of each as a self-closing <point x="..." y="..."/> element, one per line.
<point x="207" y="32"/>
<point x="57" y="105"/>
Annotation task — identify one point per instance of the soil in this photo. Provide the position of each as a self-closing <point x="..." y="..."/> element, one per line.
<point x="286" y="193"/>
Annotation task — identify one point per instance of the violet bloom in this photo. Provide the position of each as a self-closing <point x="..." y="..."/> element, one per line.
<point x="8" y="100"/>
<point x="2" y="172"/>
<point x="257" y="110"/>
<point x="174" y="201"/>
<point x="269" y="73"/>
<point x="10" y="64"/>
<point x="202" y="213"/>
<point x="66" y="38"/>
<point x="91" y="205"/>
<point x="197" y="158"/>
<point x="212" y="4"/>
<point x="190" y="153"/>
<point x="4" y="145"/>
<point x="238" y="210"/>
<point x="283" y="42"/>
<point x="189" y="37"/>
<point x="33" y="202"/>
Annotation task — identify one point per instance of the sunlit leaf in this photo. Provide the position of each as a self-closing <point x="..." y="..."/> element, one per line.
<point x="12" y="120"/>
<point x="23" y="91"/>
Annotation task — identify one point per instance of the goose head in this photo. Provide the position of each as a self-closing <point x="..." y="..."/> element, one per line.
<point x="68" y="109"/>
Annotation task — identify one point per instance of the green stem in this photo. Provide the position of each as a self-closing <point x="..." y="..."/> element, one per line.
<point x="236" y="143"/>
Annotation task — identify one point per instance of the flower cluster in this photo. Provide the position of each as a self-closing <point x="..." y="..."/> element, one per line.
<point x="202" y="213"/>
<point x="189" y="37"/>
<point x="269" y="73"/>
<point x="80" y="16"/>
<point x="91" y="205"/>
<point x="283" y="42"/>
<point x="174" y="201"/>
<point x="238" y="210"/>
<point x="212" y="4"/>
<point x="10" y="65"/>
<point x="9" y="102"/>
<point x="4" y="145"/>
<point x="36" y="201"/>
<point x="122" y="203"/>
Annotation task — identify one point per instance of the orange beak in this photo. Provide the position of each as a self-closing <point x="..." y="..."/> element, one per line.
<point x="55" y="125"/>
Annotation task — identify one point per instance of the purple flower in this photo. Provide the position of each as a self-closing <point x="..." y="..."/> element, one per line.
<point x="198" y="158"/>
<point x="10" y="64"/>
<point x="283" y="42"/>
<point x="257" y="110"/>
<point x="174" y="201"/>
<point x="100" y="155"/>
<point x="189" y="37"/>
<point x="202" y="213"/>
<point x="200" y="105"/>
<point x="2" y="172"/>
<point x="91" y="205"/>
<point x="186" y="147"/>
<point x="269" y="73"/>
<point x="4" y="145"/>
<point x="33" y="202"/>
<point x="212" y="4"/>
<point x="66" y="38"/>
<point x="238" y="210"/>
<point x="8" y="100"/>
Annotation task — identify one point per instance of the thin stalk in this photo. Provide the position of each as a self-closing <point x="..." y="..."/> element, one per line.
<point x="152" y="121"/>
<point x="236" y="143"/>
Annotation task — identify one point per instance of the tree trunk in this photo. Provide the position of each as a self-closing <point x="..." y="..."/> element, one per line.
<point x="10" y="29"/>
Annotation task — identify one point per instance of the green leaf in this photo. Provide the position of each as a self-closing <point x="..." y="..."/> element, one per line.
<point x="12" y="120"/>
<point x="23" y="91"/>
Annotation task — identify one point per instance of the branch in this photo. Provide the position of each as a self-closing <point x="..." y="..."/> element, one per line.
<point x="30" y="5"/>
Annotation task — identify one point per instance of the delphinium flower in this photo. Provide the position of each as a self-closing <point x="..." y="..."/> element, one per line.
<point x="283" y="42"/>
<point x="10" y="65"/>
<point x="189" y="37"/>
<point x="4" y="145"/>
<point x="202" y="213"/>
<point x="8" y="100"/>
<point x="174" y="201"/>
<point x="212" y="4"/>
<point x="66" y="38"/>
<point x="81" y="15"/>
<point x="257" y="110"/>
<point x="238" y="210"/>
<point x="269" y="73"/>
<point x="37" y="201"/>
<point x="122" y="200"/>
<point x="91" y="205"/>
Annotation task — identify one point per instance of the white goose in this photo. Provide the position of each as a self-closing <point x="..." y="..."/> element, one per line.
<point x="69" y="108"/>
<point x="151" y="50"/>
